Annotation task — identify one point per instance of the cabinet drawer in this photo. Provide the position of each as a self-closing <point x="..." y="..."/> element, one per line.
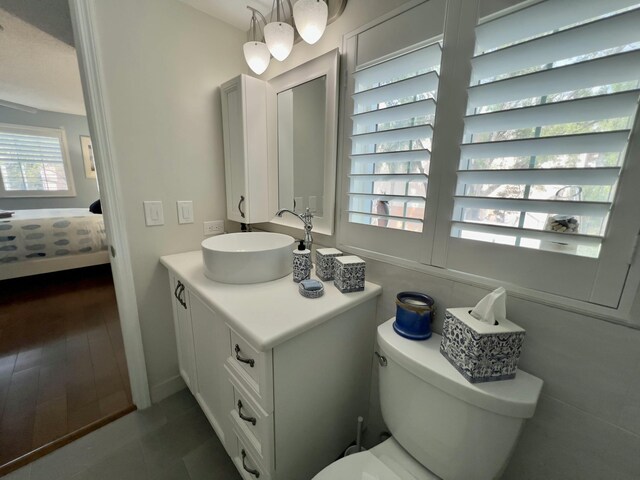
<point x="253" y="368"/>
<point x="247" y="464"/>
<point x="251" y="421"/>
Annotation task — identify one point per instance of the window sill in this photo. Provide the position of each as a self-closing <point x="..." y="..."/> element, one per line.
<point x="67" y="194"/>
<point x="620" y="316"/>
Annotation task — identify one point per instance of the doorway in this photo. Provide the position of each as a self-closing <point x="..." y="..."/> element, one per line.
<point x="63" y="370"/>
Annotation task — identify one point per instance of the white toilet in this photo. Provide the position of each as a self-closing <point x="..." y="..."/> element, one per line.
<point x="442" y="425"/>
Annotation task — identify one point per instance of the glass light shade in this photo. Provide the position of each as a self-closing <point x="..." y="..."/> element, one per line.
<point x="279" y="38"/>
<point x="257" y="56"/>
<point x="311" y="19"/>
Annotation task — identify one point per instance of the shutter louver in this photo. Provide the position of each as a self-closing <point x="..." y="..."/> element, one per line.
<point x="31" y="162"/>
<point x="394" y="110"/>
<point x="550" y="107"/>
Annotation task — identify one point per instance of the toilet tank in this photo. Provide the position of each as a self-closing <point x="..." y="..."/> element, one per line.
<point x="456" y="429"/>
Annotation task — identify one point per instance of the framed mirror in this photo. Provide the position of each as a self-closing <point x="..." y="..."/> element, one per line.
<point x="303" y="108"/>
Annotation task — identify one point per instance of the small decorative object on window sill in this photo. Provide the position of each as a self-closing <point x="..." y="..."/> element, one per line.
<point x="349" y="274"/>
<point x="482" y="351"/>
<point x="301" y="263"/>
<point x="325" y="262"/>
<point x="413" y="315"/>
<point x="563" y="223"/>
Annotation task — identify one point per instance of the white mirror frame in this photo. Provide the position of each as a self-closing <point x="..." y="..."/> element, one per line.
<point x="325" y="65"/>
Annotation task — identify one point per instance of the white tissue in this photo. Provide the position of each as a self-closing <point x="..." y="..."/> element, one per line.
<point x="491" y="308"/>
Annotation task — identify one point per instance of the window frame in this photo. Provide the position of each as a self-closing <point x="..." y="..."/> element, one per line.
<point x="58" y="133"/>
<point x="460" y="23"/>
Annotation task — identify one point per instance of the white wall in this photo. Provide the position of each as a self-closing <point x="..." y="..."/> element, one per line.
<point x="163" y="62"/>
<point x="587" y="425"/>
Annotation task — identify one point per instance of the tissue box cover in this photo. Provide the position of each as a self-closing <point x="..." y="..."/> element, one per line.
<point x="349" y="274"/>
<point x="325" y="262"/>
<point x="481" y="352"/>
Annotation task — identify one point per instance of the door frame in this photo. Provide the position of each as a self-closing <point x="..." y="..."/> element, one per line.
<point x="83" y="19"/>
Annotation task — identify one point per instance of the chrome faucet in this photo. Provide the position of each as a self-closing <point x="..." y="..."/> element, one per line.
<point x="306" y="218"/>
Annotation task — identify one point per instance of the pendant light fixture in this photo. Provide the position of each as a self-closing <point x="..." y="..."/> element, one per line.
<point x="279" y="34"/>
<point x="311" y="19"/>
<point x="256" y="52"/>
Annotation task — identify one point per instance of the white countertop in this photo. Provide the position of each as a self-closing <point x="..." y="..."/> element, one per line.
<point x="265" y="314"/>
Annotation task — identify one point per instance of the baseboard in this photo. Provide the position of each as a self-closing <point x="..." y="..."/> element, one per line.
<point x="62" y="441"/>
<point x="167" y="388"/>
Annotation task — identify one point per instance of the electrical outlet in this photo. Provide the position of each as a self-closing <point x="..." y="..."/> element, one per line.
<point x="214" y="227"/>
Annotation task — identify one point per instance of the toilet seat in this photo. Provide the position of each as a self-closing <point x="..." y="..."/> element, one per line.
<point x="386" y="461"/>
<point x="359" y="466"/>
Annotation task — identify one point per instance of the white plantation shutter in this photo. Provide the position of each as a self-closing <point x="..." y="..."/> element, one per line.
<point x="33" y="161"/>
<point x="547" y="171"/>
<point x="394" y="105"/>
<point x="553" y="93"/>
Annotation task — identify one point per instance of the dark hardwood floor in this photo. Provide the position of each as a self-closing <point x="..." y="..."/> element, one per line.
<point x="62" y="362"/>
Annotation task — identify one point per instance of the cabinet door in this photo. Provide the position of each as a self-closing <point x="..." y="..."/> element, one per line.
<point x="184" y="333"/>
<point x="246" y="150"/>
<point x="233" y="127"/>
<point x="215" y="392"/>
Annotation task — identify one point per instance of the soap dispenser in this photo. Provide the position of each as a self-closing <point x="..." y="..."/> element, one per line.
<point x="301" y="263"/>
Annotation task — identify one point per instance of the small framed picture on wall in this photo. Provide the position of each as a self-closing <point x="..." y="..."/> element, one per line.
<point x="87" y="156"/>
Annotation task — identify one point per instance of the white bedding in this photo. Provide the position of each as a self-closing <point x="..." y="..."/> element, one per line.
<point x="51" y="233"/>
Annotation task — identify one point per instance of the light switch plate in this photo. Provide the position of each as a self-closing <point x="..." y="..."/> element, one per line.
<point x="185" y="211"/>
<point x="153" y="213"/>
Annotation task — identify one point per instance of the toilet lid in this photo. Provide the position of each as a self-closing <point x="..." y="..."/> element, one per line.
<point x="360" y="466"/>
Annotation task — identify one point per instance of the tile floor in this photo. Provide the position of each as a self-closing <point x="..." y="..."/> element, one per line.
<point x="169" y="441"/>
<point x="62" y="362"/>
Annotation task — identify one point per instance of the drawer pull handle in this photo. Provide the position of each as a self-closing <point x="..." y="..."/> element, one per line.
<point x="249" y="361"/>
<point x="251" y="420"/>
<point x="178" y="294"/>
<point x="253" y="472"/>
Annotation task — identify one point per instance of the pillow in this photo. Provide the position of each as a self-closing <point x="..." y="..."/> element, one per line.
<point x="95" y="207"/>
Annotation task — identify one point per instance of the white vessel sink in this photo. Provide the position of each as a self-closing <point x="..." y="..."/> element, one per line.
<point x="249" y="257"/>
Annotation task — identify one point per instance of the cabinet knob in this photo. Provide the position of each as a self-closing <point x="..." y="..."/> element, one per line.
<point x="250" y="361"/>
<point x="251" y="420"/>
<point x="252" y="471"/>
<point x="240" y="205"/>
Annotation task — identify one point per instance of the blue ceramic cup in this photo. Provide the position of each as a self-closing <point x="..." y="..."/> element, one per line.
<point x="413" y="315"/>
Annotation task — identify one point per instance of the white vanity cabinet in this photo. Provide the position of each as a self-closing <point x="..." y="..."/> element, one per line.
<point x="202" y="343"/>
<point x="244" y="126"/>
<point x="281" y="378"/>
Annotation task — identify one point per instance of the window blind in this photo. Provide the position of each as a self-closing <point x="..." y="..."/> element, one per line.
<point x="32" y="162"/>
<point x="393" y="113"/>
<point x="554" y="90"/>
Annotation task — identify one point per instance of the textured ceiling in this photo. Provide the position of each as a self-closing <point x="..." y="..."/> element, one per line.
<point x="38" y="70"/>
<point x="233" y="12"/>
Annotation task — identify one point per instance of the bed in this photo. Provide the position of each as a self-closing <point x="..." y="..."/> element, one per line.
<point x="49" y="240"/>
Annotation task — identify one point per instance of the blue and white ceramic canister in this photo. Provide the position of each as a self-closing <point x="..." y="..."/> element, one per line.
<point x="413" y="315"/>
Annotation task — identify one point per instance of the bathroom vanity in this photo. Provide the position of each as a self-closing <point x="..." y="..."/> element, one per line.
<point x="281" y="378"/>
